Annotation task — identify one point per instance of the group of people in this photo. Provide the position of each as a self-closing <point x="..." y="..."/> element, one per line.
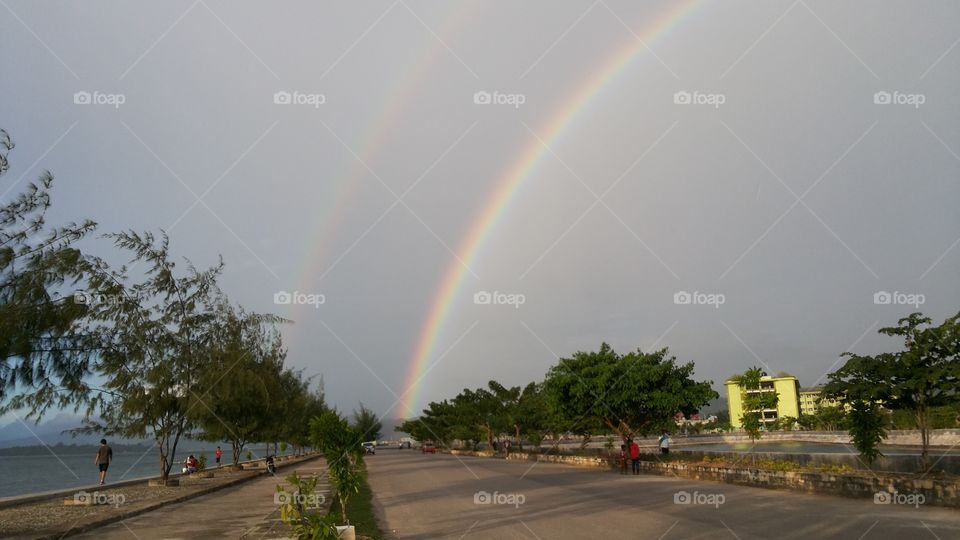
<point x="104" y="458"/>
<point x="632" y="449"/>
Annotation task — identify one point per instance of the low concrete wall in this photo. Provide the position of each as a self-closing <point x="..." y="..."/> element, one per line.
<point x="911" y="437"/>
<point x="892" y="464"/>
<point x="882" y="486"/>
<point x="938" y="437"/>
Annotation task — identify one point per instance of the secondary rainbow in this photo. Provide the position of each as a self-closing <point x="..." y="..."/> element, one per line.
<point x="507" y="187"/>
<point x="382" y="124"/>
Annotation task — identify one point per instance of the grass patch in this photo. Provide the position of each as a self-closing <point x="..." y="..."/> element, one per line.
<point x="360" y="511"/>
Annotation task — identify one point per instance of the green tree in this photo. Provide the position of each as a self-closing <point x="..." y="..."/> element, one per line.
<point x="867" y="429"/>
<point x="831" y="418"/>
<point x="366" y="422"/>
<point x="533" y="414"/>
<point x="43" y="348"/>
<point x="153" y="334"/>
<point x="633" y="393"/>
<point x="298" y="402"/>
<point x="239" y="395"/>
<point x="415" y="427"/>
<point x="341" y="447"/>
<point x="505" y="409"/>
<point x="922" y="376"/>
<point x="754" y="400"/>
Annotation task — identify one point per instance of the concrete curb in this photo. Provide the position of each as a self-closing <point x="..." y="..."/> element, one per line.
<point x="96" y="523"/>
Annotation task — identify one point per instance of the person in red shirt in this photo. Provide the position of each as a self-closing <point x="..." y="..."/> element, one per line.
<point x="218" y="454"/>
<point x="635" y="455"/>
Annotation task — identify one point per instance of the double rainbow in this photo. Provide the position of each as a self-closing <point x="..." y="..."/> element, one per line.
<point x="507" y="187"/>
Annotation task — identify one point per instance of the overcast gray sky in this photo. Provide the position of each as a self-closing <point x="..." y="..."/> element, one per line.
<point x="742" y="153"/>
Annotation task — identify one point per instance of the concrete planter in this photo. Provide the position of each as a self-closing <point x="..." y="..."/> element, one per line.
<point x="169" y="482"/>
<point x="347" y="532"/>
<point x="199" y="475"/>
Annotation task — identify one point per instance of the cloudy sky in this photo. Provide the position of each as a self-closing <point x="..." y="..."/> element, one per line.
<point x="739" y="181"/>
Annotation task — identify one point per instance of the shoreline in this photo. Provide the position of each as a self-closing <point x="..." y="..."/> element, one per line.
<point x="38" y="496"/>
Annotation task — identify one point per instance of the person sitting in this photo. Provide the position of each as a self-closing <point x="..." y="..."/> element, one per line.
<point x="190" y="465"/>
<point x="270" y="465"/>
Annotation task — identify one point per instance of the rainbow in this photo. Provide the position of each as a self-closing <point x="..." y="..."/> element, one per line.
<point x="507" y="187"/>
<point x="382" y="124"/>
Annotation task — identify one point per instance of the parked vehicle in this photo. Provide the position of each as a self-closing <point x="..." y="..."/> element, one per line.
<point x="428" y="448"/>
<point x="369" y="448"/>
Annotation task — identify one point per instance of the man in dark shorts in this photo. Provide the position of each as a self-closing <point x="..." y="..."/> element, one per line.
<point x="103" y="459"/>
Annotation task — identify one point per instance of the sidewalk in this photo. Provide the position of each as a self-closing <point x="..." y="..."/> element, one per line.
<point x="246" y="510"/>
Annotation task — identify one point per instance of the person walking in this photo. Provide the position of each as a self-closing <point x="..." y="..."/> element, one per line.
<point x="103" y="459"/>
<point x="623" y="459"/>
<point x="664" y="442"/>
<point x="635" y="455"/>
<point x="218" y="454"/>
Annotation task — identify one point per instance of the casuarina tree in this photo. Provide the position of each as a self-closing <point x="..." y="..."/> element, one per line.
<point x="44" y="349"/>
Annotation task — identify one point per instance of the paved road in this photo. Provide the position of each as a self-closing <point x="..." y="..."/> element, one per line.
<point x="246" y="509"/>
<point x="432" y="496"/>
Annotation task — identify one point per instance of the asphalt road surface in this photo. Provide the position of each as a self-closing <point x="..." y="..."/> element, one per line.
<point x="443" y="496"/>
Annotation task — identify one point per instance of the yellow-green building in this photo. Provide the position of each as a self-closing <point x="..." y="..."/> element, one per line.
<point x="811" y="400"/>
<point x="787" y="388"/>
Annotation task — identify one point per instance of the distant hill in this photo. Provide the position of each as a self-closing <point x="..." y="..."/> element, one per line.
<point x="50" y="432"/>
<point x="68" y="449"/>
<point x="26" y="433"/>
<point x="715" y="407"/>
